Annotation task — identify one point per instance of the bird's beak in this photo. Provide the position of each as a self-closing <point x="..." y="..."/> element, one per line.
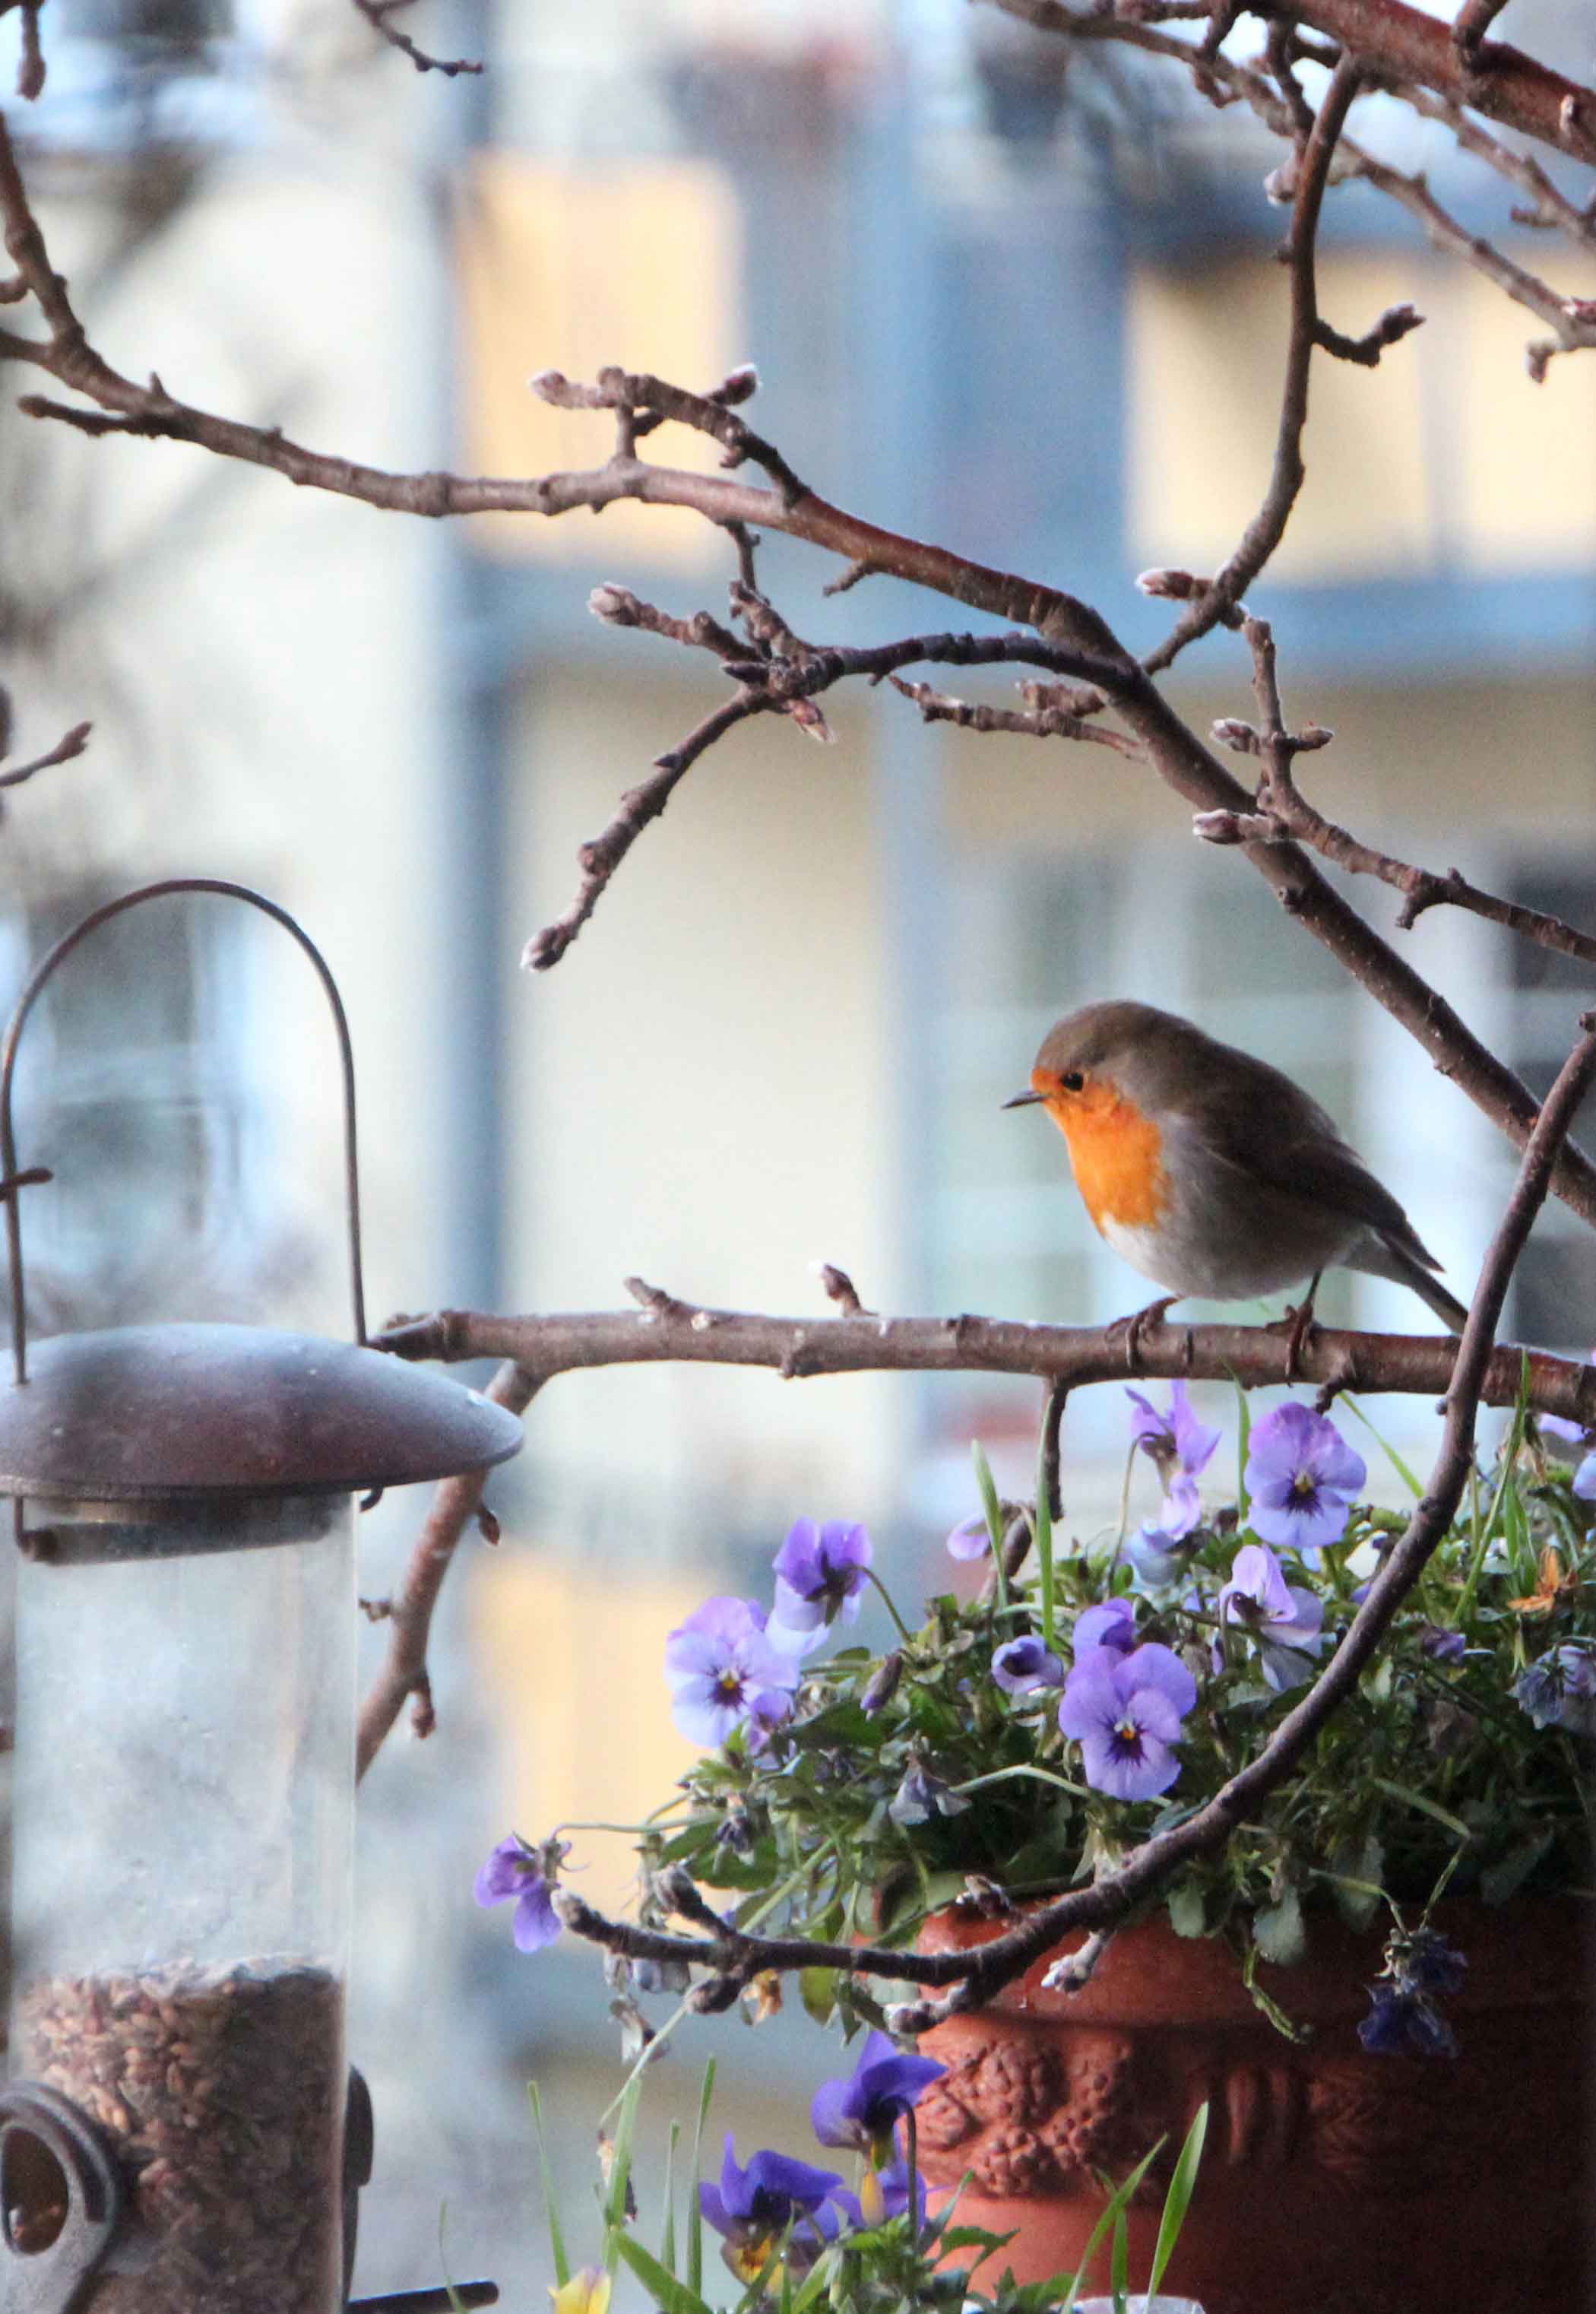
<point x="1022" y="1101"/>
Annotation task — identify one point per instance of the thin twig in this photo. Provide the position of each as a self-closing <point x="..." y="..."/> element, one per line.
<point x="72" y="744"/>
<point x="1264" y="532"/>
<point x="403" y="1677"/>
<point x="1284" y="814"/>
<point x="379" y="15"/>
<point x="1031" y="723"/>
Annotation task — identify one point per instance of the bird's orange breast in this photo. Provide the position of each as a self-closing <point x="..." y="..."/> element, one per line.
<point x="1117" y="1155"/>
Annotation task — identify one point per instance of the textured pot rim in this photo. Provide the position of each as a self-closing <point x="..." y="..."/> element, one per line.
<point x="1533" y="1952"/>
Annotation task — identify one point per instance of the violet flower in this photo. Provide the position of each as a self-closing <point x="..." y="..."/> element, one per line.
<point x="1302" y="1477"/>
<point x="1283" y="1618"/>
<point x="1158" y="1560"/>
<point x="1111" y="1623"/>
<point x="725" y="1672"/>
<point x="1182" y="1447"/>
<point x="754" y="2208"/>
<point x="1404" y="2021"/>
<point x="526" y="1873"/>
<point x="1021" y="1667"/>
<point x="820" y="1573"/>
<point x="863" y="2110"/>
<point x="922" y="1795"/>
<point x="1125" y="1713"/>
<point x="1559" y="1690"/>
<point x="970" y="1539"/>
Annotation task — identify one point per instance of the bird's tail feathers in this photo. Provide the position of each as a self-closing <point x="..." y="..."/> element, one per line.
<point x="1388" y="1257"/>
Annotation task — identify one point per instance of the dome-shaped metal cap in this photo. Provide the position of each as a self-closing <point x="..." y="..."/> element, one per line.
<point x="139" y="1412"/>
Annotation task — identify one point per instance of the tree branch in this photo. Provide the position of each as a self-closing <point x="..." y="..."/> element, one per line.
<point x="379" y="15"/>
<point x="1284" y="814"/>
<point x="1396" y="45"/>
<point x="456" y="1504"/>
<point x="1075" y="640"/>
<point x="670" y="1330"/>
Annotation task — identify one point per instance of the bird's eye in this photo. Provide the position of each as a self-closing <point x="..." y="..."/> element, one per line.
<point x="1072" y="1081"/>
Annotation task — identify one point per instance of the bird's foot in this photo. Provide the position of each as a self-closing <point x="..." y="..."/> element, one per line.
<point x="1296" y="1325"/>
<point x="1136" y="1324"/>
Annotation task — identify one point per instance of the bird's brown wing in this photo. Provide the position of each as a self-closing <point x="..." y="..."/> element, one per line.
<point x="1281" y="1136"/>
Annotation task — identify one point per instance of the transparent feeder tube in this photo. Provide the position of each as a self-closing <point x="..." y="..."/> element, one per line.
<point x="184" y="1782"/>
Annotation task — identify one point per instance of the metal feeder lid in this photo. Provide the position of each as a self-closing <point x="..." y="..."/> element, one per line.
<point x="140" y="1412"/>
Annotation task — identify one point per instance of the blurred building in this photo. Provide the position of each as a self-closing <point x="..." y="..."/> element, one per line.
<point x="1018" y="303"/>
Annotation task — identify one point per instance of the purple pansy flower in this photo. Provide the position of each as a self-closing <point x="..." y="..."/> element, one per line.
<point x="1404" y="2021"/>
<point x="921" y="1795"/>
<point x="1125" y="1713"/>
<point x="1559" y="1690"/>
<point x="864" y="2110"/>
<point x="725" y="1672"/>
<point x="1158" y="1560"/>
<point x="1584" y="1479"/>
<point x="1440" y="1644"/>
<point x="970" y="1539"/>
<point x="1302" y="1477"/>
<point x="1283" y="1618"/>
<point x="820" y="1573"/>
<point x="1182" y="1447"/>
<point x="526" y="1874"/>
<point x="1557" y="1425"/>
<point x="1022" y="1665"/>
<point x="754" y="2207"/>
<point x="1111" y="1623"/>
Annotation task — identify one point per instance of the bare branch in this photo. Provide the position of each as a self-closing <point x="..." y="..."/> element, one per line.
<point x="670" y="1331"/>
<point x="1285" y="814"/>
<point x="1264" y="532"/>
<point x="1034" y="723"/>
<point x="1397" y="45"/>
<point x="72" y="744"/>
<point x="380" y="13"/>
<point x="403" y="1677"/>
<point x="1473" y="20"/>
<point x="601" y="856"/>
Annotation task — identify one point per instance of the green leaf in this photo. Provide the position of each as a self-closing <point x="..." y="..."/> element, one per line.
<point x="695" y="2224"/>
<point x="1410" y="1478"/>
<point x="671" y="2296"/>
<point x="1178" y="2200"/>
<point x="1359" y="1880"/>
<point x="1187" y="1912"/>
<point x="993" y="1505"/>
<point x="615" y="2201"/>
<point x="817" y="1989"/>
<point x="1278" y="1932"/>
<point x="1424" y="1803"/>
<point x="1044" y="1539"/>
<point x="562" y="2272"/>
<point x="1508" y="1875"/>
<point x="667" y="2244"/>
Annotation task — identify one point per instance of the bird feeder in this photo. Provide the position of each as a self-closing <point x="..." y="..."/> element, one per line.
<point x="185" y="1776"/>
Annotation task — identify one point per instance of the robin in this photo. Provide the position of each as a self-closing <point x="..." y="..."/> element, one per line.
<point x="1210" y="1172"/>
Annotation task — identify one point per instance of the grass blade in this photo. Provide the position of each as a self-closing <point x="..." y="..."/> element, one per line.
<point x="562" y="2272"/>
<point x="695" y="2224"/>
<point x="1178" y="2200"/>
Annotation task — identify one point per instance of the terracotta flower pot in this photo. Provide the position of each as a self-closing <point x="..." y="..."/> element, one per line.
<point x="1334" y="2182"/>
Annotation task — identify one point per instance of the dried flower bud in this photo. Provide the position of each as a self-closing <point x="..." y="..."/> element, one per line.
<point x="882" y="1684"/>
